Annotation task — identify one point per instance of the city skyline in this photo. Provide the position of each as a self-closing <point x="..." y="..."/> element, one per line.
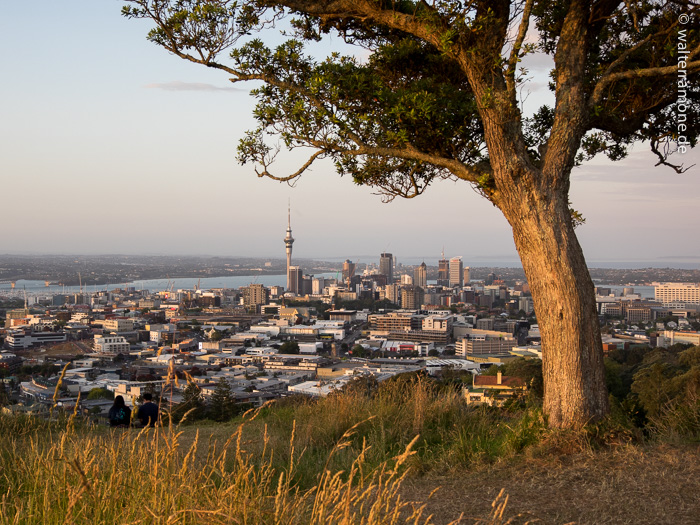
<point x="110" y="145"/>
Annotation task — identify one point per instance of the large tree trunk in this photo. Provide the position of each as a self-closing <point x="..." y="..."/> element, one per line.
<point x="574" y="376"/>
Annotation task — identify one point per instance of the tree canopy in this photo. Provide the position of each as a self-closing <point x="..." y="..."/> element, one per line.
<point x="434" y="92"/>
<point x="414" y="109"/>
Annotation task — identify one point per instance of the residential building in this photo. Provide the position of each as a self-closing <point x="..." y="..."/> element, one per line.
<point x="412" y="297"/>
<point x="441" y="323"/>
<point x="395" y="321"/>
<point x="111" y="344"/>
<point x="255" y="295"/>
<point x="494" y="390"/>
<point x="526" y="305"/>
<point x="392" y="293"/>
<point x="118" y="324"/>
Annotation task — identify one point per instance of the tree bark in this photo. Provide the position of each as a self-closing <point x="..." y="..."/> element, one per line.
<point x="574" y="376"/>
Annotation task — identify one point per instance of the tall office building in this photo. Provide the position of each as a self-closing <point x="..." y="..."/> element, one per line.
<point x="443" y="271"/>
<point x="288" y="242"/>
<point x="467" y="275"/>
<point x="420" y="276"/>
<point x="456" y="272"/>
<point x="348" y="269"/>
<point x="386" y="266"/>
<point x="295" y="278"/>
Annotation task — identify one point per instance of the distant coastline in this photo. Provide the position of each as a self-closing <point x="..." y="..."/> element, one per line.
<point x="110" y="271"/>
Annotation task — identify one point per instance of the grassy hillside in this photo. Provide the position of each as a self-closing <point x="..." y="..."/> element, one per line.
<point x="373" y="454"/>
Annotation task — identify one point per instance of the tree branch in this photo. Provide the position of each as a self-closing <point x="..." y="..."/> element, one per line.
<point x="610" y="78"/>
<point x="409" y="152"/>
<point x="288" y="178"/>
<point x="517" y="46"/>
<point x="570" y="111"/>
<point x="663" y="156"/>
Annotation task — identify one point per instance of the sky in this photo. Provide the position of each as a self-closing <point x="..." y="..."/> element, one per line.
<point x="108" y="144"/>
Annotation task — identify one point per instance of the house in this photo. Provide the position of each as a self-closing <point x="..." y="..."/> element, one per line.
<point x="494" y="390"/>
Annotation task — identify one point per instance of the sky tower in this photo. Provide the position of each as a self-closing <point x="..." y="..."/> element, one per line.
<point x="288" y="241"/>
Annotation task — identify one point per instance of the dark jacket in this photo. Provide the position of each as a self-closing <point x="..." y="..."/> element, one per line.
<point x="119" y="416"/>
<point x="148" y="414"/>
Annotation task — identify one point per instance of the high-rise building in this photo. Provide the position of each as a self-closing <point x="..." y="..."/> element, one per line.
<point x="443" y="271"/>
<point x="295" y="277"/>
<point x="467" y="275"/>
<point x="255" y="295"/>
<point x="386" y="266"/>
<point x="288" y="242"/>
<point x="392" y="292"/>
<point x="456" y="272"/>
<point x="412" y="297"/>
<point x="307" y="286"/>
<point x="420" y="276"/>
<point x="348" y="269"/>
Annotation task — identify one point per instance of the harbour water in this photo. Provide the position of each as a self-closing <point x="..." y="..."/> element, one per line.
<point x="39" y="288"/>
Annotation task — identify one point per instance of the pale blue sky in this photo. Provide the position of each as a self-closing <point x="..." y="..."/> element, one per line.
<point x="108" y="144"/>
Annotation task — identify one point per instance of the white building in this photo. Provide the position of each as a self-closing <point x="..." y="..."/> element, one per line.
<point x="439" y="323"/>
<point x="118" y="325"/>
<point x="21" y="339"/>
<point x="456" y="269"/>
<point x="111" y="344"/>
<point x="672" y="337"/>
<point x="677" y="293"/>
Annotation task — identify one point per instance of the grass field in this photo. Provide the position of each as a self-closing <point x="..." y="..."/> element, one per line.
<point x="408" y="452"/>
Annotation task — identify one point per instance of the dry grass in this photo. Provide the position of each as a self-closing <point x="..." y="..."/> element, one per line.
<point x="630" y="484"/>
<point x="149" y="476"/>
<point x="350" y="459"/>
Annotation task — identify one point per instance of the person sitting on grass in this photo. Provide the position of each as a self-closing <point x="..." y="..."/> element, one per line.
<point x="119" y="414"/>
<point x="148" y="412"/>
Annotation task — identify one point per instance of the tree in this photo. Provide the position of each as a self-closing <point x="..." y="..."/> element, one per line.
<point x="100" y="393"/>
<point x="289" y="347"/>
<point x="529" y="370"/>
<point x="4" y="396"/>
<point x="222" y="402"/>
<point x="437" y="97"/>
<point x="359" y="351"/>
<point x="192" y="403"/>
<point x="217" y="336"/>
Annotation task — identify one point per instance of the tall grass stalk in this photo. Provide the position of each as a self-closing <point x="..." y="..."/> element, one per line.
<point x="78" y="475"/>
<point x="340" y="460"/>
